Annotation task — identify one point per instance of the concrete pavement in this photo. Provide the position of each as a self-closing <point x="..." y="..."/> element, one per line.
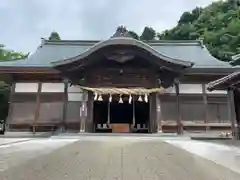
<point x="18" y="151"/>
<point x="122" y="158"/>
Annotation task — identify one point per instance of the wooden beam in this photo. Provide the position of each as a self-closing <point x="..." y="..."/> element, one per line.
<point x="179" y="118"/>
<point x="81" y="119"/>
<point x="205" y="102"/>
<point x="153" y="113"/>
<point x="108" y="119"/>
<point x="29" y="70"/>
<point x="65" y="101"/>
<point x="231" y="112"/>
<point x="87" y="119"/>
<point x="84" y="110"/>
<point x="134" y="118"/>
<point x="10" y="108"/>
<point x="37" y="107"/>
<point x="159" y="115"/>
<point x="236" y="84"/>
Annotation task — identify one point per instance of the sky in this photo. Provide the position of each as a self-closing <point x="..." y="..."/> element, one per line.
<point x="25" y="22"/>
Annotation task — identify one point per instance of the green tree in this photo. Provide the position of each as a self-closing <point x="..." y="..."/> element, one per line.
<point x="190" y="17"/>
<point x="217" y="24"/>
<point x="186" y="17"/>
<point x="6" y="54"/>
<point x="54" y="36"/>
<point x="133" y="34"/>
<point x="148" y="34"/>
<point x="123" y="31"/>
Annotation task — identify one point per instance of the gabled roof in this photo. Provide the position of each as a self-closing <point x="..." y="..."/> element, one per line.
<point x="182" y="51"/>
<point x="124" y="41"/>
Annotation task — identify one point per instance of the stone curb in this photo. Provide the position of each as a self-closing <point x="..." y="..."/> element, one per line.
<point x="210" y="138"/>
<point x="21" y="136"/>
<point x="117" y="134"/>
<point x="44" y="135"/>
<point x="15" y="142"/>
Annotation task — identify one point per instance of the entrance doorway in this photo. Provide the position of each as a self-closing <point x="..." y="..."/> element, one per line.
<point x="121" y="113"/>
<point x="132" y="117"/>
<point x="100" y="115"/>
<point x="142" y="118"/>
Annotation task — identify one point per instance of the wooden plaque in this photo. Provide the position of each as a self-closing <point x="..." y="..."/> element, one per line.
<point x="120" y="128"/>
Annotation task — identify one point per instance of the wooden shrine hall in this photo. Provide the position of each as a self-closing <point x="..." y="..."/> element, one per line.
<point x="117" y="85"/>
<point x="231" y="84"/>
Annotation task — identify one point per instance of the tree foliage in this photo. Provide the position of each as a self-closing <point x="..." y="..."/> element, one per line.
<point x="54" y="36"/>
<point x="6" y="54"/>
<point x="148" y="34"/>
<point x="218" y="25"/>
<point x="133" y="34"/>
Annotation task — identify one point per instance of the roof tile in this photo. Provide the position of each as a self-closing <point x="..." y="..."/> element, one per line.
<point x="52" y="51"/>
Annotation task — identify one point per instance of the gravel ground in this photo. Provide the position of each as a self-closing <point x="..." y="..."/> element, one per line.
<point x="118" y="159"/>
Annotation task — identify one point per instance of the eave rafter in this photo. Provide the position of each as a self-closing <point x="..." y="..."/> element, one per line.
<point x="232" y="80"/>
<point x="28" y="70"/>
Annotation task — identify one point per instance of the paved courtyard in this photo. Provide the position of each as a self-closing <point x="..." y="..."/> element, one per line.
<point x="113" y="158"/>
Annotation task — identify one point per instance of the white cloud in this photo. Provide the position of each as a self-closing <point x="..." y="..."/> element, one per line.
<point x="26" y="21"/>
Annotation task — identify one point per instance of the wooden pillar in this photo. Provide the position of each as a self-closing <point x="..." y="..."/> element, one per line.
<point x="153" y="113"/>
<point x="37" y="107"/>
<point x="108" y="120"/>
<point x="89" y="125"/>
<point x="179" y="117"/>
<point x="83" y="115"/>
<point x="65" y="101"/>
<point x="231" y="112"/>
<point x="10" y="108"/>
<point x="134" y="119"/>
<point x="159" y="118"/>
<point x="205" y="102"/>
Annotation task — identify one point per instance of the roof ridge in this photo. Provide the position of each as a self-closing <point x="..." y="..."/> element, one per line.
<point x="174" y="41"/>
<point x="151" y="42"/>
<point x="70" y="42"/>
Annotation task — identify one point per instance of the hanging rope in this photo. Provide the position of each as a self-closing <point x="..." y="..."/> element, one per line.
<point x="127" y="91"/>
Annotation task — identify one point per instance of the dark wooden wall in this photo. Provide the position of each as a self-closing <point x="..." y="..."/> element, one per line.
<point x="38" y="109"/>
<point x="199" y="111"/>
<point x="136" y="73"/>
<point x="54" y="109"/>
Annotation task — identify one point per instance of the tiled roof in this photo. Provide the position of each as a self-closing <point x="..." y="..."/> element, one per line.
<point x="126" y="41"/>
<point x="227" y="80"/>
<point x="52" y="51"/>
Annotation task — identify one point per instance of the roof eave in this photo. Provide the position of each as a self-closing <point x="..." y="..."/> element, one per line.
<point x="31" y="70"/>
<point x="224" y="82"/>
<point x="211" y="70"/>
